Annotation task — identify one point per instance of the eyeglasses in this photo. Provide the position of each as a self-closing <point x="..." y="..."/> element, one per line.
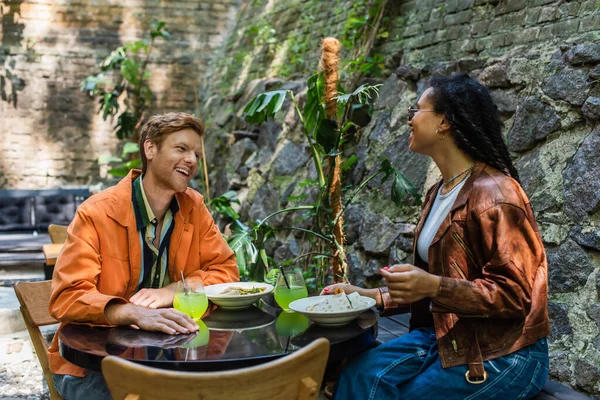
<point x="412" y="111"/>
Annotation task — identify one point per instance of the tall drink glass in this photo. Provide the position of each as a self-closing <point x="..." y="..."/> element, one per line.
<point x="191" y="299"/>
<point x="289" y="288"/>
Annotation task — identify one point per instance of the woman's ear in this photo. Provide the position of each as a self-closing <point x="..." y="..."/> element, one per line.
<point x="444" y="126"/>
<point x="150" y="149"/>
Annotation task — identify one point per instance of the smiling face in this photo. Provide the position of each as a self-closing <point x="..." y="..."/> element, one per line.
<point x="423" y="124"/>
<point x="174" y="162"/>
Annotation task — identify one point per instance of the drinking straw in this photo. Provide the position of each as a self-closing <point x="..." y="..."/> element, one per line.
<point x="185" y="288"/>
<point x="284" y="277"/>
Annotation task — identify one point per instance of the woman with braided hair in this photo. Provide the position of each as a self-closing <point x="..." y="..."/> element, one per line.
<point x="477" y="291"/>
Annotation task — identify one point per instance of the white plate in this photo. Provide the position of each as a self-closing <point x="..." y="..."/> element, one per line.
<point x="233" y="302"/>
<point x="337" y="318"/>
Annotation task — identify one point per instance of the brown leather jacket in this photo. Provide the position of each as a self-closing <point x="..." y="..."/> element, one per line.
<point x="493" y="298"/>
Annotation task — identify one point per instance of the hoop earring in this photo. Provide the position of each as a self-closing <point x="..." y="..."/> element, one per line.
<point x="440" y="137"/>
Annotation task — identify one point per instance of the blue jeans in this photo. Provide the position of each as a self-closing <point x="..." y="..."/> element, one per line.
<point x="409" y="367"/>
<point x="90" y="387"/>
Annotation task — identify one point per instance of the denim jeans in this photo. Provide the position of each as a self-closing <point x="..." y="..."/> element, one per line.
<point x="409" y="367"/>
<point x="90" y="387"/>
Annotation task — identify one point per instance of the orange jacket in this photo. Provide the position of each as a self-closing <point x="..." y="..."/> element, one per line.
<point x="101" y="259"/>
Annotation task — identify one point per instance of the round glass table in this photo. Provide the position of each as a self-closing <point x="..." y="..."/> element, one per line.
<point x="227" y="339"/>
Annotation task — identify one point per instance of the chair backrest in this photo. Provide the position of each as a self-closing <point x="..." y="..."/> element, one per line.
<point x="297" y="376"/>
<point x="34" y="298"/>
<point x="58" y="233"/>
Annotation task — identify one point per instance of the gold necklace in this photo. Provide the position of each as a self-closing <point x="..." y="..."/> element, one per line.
<point x="459" y="174"/>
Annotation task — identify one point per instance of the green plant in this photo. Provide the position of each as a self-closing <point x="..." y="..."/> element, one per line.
<point x="123" y="80"/>
<point x="324" y="136"/>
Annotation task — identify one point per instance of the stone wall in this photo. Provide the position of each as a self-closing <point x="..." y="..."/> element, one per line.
<point x="541" y="60"/>
<point x="50" y="132"/>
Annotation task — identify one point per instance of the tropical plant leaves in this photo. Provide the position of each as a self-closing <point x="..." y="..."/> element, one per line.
<point x="222" y="204"/>
<point x="242" y="244"/>
<point x="328" y="136"/>
<point x="264" y="105"/>
<point x="403" y="191"/>
<point x="363" y="94"/>
<point x="314" y="109"/>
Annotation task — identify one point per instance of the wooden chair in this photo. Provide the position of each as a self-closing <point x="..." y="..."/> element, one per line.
<point x="34" y="298"/>
<point x="297" y="376"/>
<point x="58" y="233"/>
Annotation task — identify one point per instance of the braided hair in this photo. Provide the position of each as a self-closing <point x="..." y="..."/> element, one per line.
<point x="469" y="109"/>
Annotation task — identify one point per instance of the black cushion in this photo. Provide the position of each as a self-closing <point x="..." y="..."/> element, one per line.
<point x="54" y="209"/>
<point x="15" y="214"/>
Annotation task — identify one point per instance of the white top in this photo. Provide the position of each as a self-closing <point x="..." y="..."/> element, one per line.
<point x="439" y="211"/>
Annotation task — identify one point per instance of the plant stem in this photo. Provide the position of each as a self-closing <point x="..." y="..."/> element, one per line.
<point x="362" y="185"/>
<point x="310" y="254"/>
<point x="282" y="211"/>
<point x="320" y="236"/>
<point x="313" y="149"/>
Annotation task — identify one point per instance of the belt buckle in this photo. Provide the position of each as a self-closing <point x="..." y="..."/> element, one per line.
<point x="476" y="382"/>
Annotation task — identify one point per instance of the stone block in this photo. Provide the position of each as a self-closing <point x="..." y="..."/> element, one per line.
<point x="532" y="15"/>
<point x="548" y="14"/>
<point x="495" y="76"/>
<point x="569" y="85"/>
<point x="586" y="236"/>
<point x="569" y="267"/>
<point x="377" y="234"/>
<point x="534" y="121"/>
<point x="559" y="321"/>
<point x="591" y="109"/>
<point x="589" y="23"/>
<point x="458" y="18"/>
<point x="581" y="184"/>
<point x="509" y="6"/>
<point x="584" y="53"/>
<point x="480" y="28"/>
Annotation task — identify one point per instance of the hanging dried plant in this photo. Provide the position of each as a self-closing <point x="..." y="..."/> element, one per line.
<point x="329" y="63"/>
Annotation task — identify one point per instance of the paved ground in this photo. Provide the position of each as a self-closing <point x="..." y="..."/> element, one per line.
<point x="20" y="372"/>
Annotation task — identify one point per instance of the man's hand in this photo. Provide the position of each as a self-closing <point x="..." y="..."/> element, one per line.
<point x="408" y="284"/>
<point x="167" y="320"/>
<point x="155" y="298"/>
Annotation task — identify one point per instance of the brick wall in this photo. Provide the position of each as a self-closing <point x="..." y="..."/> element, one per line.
<point x="50" y="132"/>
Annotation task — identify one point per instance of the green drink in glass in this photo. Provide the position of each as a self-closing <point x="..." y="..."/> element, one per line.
<point x="289" y="287"/>
<point x="191" y="300"/>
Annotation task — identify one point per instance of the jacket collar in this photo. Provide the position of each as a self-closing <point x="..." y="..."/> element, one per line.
<point x="461" y="200"/>
<point x="121" y="209"/>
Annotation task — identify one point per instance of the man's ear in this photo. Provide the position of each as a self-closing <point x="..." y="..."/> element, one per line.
<point x="150" y="149"/>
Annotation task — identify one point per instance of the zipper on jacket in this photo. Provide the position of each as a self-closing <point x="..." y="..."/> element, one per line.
<point x="454" y="346"/>
<point x="459" y="271"/>
<point x="462" y="244"/>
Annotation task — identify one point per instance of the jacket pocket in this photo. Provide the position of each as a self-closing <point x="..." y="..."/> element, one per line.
<point x="457" y="270"/>
<point x="464" y="246"/>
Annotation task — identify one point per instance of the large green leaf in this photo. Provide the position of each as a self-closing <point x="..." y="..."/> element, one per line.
<point x="130" y="71"/>
<point x="129" y="148"/>
<point x="314" y="109"/>
<point x="222" y="204"/>
<point x="242" y="244"/>
<point x="126" y="125"/>
<point x="119" y="172"/>
<point x="328" y="136"/>
<point x="114" y="60"/>
<point x="403" y="191"/>
<point x="264" y="105"/>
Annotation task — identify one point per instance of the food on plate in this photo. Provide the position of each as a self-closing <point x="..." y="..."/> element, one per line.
<point x="338" y="302"/>
<point x="237" y="291"/>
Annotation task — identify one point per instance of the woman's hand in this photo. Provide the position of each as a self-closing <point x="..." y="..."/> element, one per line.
<point x="347" y="288"/>
<point x="408" y="284"/>
<point x="154" y="298"/>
